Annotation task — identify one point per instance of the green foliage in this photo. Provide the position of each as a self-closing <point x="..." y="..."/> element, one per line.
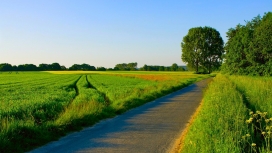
<point x="5" y="67"/>
<point x="249" y="49"/>
<point x="174" y="67"/>
<point x="202" y="48"/>
<point x="126" y="67"/>
<point x="84" y="67"/>
<point x="101" y="69"/>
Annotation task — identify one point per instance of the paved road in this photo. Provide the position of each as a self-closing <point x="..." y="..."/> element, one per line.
<point x="153" y="127"/>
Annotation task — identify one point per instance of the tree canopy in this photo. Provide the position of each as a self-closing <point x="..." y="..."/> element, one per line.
<point x="202" y="49"/>
<point x="84" y="67"/>
<point x="249" y="47"/>
<point x="126" y="66"/>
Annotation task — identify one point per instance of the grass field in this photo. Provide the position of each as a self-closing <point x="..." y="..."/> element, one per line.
<point x="235" y="116"/>
<point x="38" y="107"/>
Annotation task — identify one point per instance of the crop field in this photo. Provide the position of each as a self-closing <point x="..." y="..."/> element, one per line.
<point x="38" y="107"/>
<point x="235" y="116"/>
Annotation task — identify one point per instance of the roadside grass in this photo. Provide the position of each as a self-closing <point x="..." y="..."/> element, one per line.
<point x="47" y="106"/>
<point x="257" y="95"/>
<point x="220" y="124"/>
<point x="257" y="92"/>
<point x="235" y="117"/>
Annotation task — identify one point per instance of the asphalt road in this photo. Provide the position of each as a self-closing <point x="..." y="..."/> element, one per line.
<point x="153" y="127"/>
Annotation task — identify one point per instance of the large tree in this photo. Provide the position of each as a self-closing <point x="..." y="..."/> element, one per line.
<point x="202" y="48"/>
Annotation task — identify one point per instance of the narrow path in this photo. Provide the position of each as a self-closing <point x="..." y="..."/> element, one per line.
<point x="153" y="127"/>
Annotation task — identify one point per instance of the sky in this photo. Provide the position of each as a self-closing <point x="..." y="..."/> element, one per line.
<point x="108" y="32"/>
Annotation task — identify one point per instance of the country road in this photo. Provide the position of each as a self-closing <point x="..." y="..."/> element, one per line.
<point x="153" y="127"/>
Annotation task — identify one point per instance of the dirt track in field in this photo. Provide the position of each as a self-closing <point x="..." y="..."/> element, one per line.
<point x="153" y="127"/>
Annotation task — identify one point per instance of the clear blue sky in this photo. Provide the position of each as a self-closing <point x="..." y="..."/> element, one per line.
<point x="108" y="32"/>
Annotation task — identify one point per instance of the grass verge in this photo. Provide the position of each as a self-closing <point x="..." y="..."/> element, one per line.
<point x="220" y="124"/>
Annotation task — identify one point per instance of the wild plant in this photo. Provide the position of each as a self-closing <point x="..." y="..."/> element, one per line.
<point x="260" y="137"/>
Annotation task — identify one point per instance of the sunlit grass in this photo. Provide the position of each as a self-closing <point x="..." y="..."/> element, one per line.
<point x="235" y="117"/>
<point x="219" y="125"/>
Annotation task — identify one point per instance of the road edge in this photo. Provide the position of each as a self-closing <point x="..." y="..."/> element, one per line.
<point x="179" y="142"/>
<point x="178" y="145"/>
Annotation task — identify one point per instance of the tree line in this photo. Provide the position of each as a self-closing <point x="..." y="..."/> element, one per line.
<point x="45" y="67"/>
<point x="86" y="67"/>
<point x="248" y="50"/>
<point x="249" y="47"/>
<point x="174" y="67"/>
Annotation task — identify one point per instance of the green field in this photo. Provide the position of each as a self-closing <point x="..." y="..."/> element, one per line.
<point x="235" y="117"/>
<point x="38" y="107"/>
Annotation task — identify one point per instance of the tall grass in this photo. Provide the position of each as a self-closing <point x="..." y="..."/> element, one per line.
<point x="220" y="124"/>
<point x="257" y="94"/>
<point x="235" y="117"/>
<point x="28" y="105"/>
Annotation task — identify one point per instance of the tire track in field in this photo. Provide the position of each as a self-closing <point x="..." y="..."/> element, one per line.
<point x="76" y="88"/>
<point x="106" y="98"/>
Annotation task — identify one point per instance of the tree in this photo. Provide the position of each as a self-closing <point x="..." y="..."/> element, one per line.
<point x="132" y="66"/>
<point x="14" y="68"/>
<point x="6" y="67"/>
<point x="55" y="66"/>
<point x="167" y="69"/>
<point x="174" y="67"/>
<point x="180" y="68"/>
<point x="27" y="67"/>
<point x="63" y="67"/>
<point x="44" y="67"/>
<point x="87" y="67"/>
<point x="84" y="67"/>
<point x="202" y="48"/>
<point x="116" y="68"/>
<point x="75" y="67"/>
<point x="249" y="47"/>
<point x="126" y="67"/>
<point x="145" y="67"/>
<point x="101" y="69"/>
<point x="161" y="68"/>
